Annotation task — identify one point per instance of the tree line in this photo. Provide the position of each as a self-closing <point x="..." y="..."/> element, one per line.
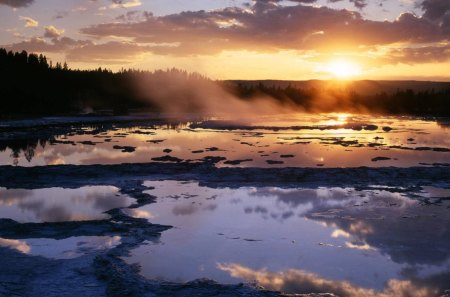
<point x="338" y="99"/>
<point x="33" y="85"/>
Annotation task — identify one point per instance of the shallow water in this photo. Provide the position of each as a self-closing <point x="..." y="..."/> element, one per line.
<point x="376" y="241"/>
<point x="59" y="204"/>
<point x="295" y="239"/>
<point x="303" y="140"/>
<point x="68" y="248"/>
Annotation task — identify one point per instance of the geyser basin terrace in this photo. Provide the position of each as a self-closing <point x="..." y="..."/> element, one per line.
<point x="299" y="140"/>
<point x="278" y="203"/>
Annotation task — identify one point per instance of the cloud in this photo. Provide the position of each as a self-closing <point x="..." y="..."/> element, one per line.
<point x="415" y="55"/>
<point x="53" y="32"/>
<point x="300" y="281"/>
<point x="269" y="27"/>
<point x="61" y="14"/>
<point x="133" y="15"/>
<point x="39" y="44"/>
<point x="435" y="9"/>
<point x="125" y="4"/>
<point x="29" y="22"/>
<point x="16" y="3"/>
<point x="358" y="246"/>
<point x="13" y="196"/>
<point x="113" y="52"/>
<point x="340" y="233"/>
<point x="263" y="26"/>
<point x="360" y="4"/>
<point x="445" y="25"/>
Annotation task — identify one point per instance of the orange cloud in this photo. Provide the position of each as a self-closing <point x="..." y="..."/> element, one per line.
<point x="29" y="22"/>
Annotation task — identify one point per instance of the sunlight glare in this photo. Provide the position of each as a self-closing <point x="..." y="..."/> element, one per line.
<point x="343" y="69"/>
<point x="338" y="119"/>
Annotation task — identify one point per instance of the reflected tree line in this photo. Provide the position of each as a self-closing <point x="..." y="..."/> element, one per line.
<point x="33" y="85"/>
<point x="27" y="146"/>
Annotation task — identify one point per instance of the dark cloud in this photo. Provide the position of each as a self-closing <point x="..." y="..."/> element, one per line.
<point x="360" y="4"/>
<point x="269" y="27"/>
<point x="61" y="14"/>
<point x="16" y="3"/>
<point x="435" y="9"/>
<point x="446" y="24"/>
<point x="133" y="15"/>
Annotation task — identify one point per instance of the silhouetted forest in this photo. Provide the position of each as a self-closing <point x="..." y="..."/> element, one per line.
<point x="336" y="99"/>
<point x="31" y="85"/>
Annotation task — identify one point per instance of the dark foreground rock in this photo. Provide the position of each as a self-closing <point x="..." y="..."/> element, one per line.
<point x="72" y="176"/>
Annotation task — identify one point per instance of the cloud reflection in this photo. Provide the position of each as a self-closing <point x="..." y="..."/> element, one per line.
<point x="383" y="219"/>
<point x="58" y="205"/>
<point x="18" y="245"/>
<point x="300" y="281"/>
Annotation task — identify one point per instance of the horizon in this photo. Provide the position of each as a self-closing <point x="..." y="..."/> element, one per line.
<point x="295" y="40"/>
<point x="333" y="79"/>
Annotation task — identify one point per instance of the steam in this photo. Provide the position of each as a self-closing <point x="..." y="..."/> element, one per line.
<point x="175" y="94"/>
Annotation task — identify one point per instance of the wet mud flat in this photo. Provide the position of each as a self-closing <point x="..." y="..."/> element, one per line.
<point x="115" y="270"/>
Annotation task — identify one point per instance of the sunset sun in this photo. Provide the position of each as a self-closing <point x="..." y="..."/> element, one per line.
<point x="343" y="69"/>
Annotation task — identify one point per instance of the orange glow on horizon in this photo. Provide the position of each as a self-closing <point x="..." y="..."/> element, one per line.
<point x="343" y="69"/>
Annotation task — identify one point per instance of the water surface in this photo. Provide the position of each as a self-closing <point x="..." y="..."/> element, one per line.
<point x="295" y="239"/>
<point x="304" y="140"/>
<point x="68" y="248"/>
<point x="59" y="204"/>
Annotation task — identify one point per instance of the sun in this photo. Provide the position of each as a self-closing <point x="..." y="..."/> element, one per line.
<point x="343" y="69"/>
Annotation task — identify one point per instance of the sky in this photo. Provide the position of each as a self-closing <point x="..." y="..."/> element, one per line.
<point x="235" y="39"/>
